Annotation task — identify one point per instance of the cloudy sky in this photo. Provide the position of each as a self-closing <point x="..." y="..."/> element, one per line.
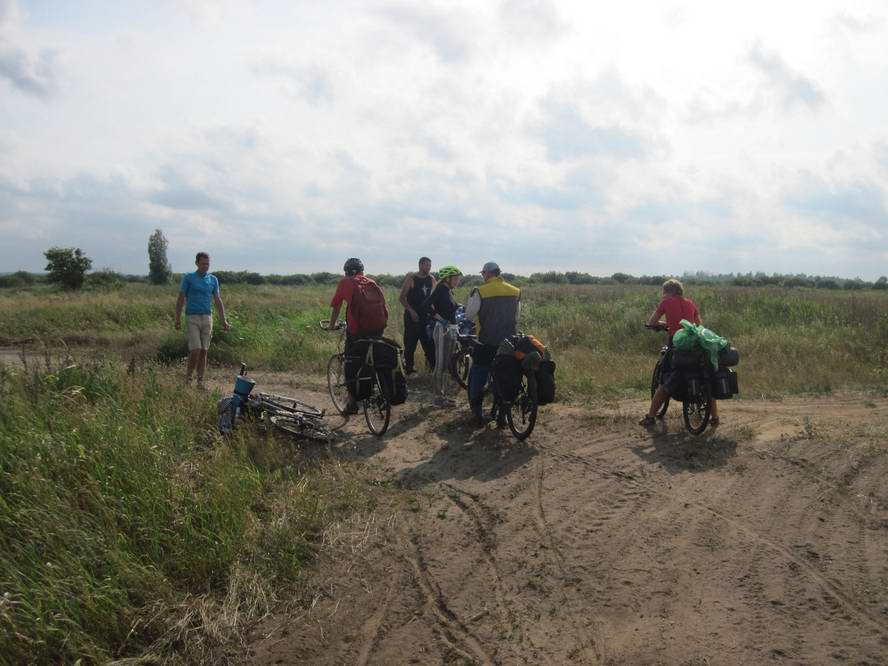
<point x="645" y="137"/>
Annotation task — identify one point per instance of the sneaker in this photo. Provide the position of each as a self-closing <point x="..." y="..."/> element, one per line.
<point x="648" y="422"/>
<point x="351" y="408"/>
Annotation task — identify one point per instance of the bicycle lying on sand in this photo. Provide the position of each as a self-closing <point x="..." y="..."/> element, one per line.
<point x="376" y="405"/>
<point x="701" y="384"/>
<point x="271" y="411"/>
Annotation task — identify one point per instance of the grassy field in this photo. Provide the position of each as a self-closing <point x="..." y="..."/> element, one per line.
<point x="791" y="340"/>
<point x="129" y="528"/>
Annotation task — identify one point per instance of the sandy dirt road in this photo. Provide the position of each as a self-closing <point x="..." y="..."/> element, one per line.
<point x="596" y="542"/>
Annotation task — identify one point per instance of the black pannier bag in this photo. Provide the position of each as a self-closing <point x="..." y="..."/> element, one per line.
<point x="693" y="385"/>
<point x="380" y="355"/>
<point x="684" y="358"/>
<point x="724" y="384"/>
<point x="545" y="380"/>
<point x="358" y="378"/>
<point x="506" y="377"/>
<point x="728" y="357"/>
<point x="394" y="383"/>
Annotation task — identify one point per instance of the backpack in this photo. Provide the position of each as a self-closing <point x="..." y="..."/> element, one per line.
<point x="368" y="305"/>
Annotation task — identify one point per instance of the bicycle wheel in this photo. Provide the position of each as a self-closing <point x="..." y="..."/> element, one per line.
<point x="377" y="409"/>
<point x="287" y="404"/>
<point x="460" y="364"/>
<point x="301" y="426"/>
<point x="336" y="384"/>
<point x="521" y="414"/>
<point x="656" y="380"/>
<point x="696" y="412"/>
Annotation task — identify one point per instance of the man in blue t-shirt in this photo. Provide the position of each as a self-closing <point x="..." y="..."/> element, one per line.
<point x="201" y="290"/>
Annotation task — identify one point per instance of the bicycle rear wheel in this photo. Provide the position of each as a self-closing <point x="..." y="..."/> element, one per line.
<point x="460" y="364"/>
<point x="696" y="412"/>
<point x="302" y="427"/>
<point x="336" y="383"/>
<point x="521" y="414"/>
<point x="656" y="380"/>
<point x="287" y="404"/>
<point x="377" y="409"/>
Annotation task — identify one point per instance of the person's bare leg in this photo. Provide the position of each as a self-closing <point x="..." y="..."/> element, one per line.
<point x="714" y="415"/>
<point x="193" y="358"/>
<point x="657" y="401"/>
<point x="201" y="365"/>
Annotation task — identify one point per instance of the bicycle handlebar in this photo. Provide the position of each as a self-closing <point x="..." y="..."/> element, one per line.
<point x="325" y="325"/>
<point x="656" y="327"/>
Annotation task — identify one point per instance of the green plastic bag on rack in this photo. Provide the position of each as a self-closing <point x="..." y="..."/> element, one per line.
<point x="692" y="336"/>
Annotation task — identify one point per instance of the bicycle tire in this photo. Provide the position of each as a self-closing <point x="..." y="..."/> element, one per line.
<point x="302" y="427"/>
<point x="336" y="384"/>
<point x="285" y="403"/>
<point x="377" y="409"/>
<point x="524" y="407"/>
<point x="460" y="364"/>
<point x="696" y="412"/>
<point x="656" y="380"/>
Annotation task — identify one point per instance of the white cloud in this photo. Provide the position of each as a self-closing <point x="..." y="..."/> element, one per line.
<point x="285" y="136"/>
<point x="791" y="88"/>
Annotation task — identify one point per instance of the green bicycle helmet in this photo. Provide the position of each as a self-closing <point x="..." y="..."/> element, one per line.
<point x="448" y="271"/>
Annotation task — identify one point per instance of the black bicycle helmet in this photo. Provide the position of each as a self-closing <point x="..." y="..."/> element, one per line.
<point x="353" y="266"/>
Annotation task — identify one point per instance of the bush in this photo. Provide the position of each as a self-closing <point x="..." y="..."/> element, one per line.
<point x="17" y="280"/>
<point x="67" y="266"/>
<point x="105" y="279"/>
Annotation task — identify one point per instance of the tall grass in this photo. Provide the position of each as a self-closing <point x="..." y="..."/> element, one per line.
<point x="790" y="339"/>
<point x="126" y="523"/>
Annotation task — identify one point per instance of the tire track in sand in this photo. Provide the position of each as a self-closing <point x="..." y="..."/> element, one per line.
<point x="455" y="632"/>
<point x="371" y="628"/>
<point x="590" y="643"/>
<point x="484" y="525"/>
<point x="830" y="587"/>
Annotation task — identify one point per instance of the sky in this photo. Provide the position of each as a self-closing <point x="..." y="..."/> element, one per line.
<point x="284" y="137"/>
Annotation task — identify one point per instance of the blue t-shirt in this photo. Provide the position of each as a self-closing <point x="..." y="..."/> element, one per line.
<point x="199" y="289"/>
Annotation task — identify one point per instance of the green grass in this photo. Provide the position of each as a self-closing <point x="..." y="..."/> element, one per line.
<point x="791" y="340"/>
<point x="127" y="524"/>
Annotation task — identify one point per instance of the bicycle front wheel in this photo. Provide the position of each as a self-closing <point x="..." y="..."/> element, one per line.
<point x="377" y="409"/>
<point x="656" y="380"/>
<point x="460" y="364"/>
<point x="696" y="412"/>
<point x="336" y="383"/>
<point x="521" y="414"/>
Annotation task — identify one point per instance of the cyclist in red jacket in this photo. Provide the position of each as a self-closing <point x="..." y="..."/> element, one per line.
<point x="674" y="307"/>
<point x="352" y="290"/>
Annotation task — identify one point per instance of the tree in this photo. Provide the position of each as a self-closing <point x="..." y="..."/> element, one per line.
<point x="159" y="271"/>
<point x="67" y="266"/>
<point x="881" y="283"/>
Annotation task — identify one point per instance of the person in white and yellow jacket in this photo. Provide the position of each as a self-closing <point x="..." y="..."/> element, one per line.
<point x="496" y="305"/>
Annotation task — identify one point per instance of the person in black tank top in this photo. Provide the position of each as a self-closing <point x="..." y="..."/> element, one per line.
<point x="416" y="289"/>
